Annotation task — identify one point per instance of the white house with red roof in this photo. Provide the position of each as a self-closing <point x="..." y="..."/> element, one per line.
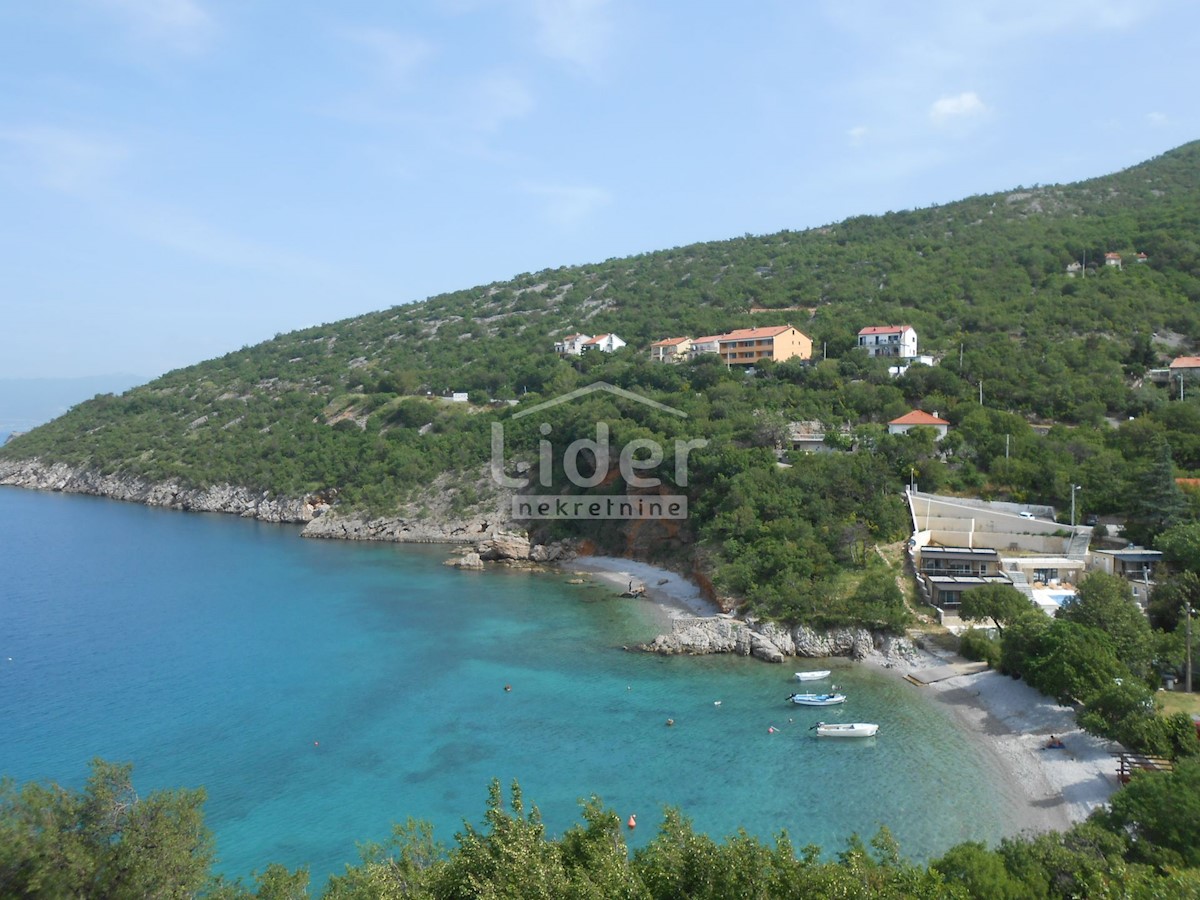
<point x="1112" y="259"/>
<point x="889" y="340"/>
<point x="920" y="418"/>
<point x="1185" y="365"/>
<point x="606" y="343"/>
<point x="572" y="344"/>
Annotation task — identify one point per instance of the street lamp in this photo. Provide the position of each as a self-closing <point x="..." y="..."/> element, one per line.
<point x="1074" y="488"/>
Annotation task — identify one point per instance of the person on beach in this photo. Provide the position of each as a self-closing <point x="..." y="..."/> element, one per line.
<point x="1055" y="743"/>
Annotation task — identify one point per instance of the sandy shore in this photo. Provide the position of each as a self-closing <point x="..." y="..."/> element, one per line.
<point x="1012" y="723"/>
<point x="674" y="594"/>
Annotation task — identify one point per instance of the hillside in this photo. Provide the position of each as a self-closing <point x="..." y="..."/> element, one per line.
<point x="353" y="410"/>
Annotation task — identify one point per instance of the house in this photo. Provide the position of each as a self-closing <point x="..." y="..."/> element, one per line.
<point x="1136" y="565"/>
<point x="901" y="367"/>
<point x="572" y="344"/>
<point x="889" y="340"/>
<point x="671" y="349"/>
<point x="1112" y="259"/>
<point x="945" y="572"/>
<point x="710" y="343"/>
<point x="747" y="346"/>
<point x="606" y="343"/>
<point x="919" y="418"/>
<point x="810" y="437"/>
<point x="1185" y="365"/>
<point x="1142" y="257"/>
<point x="1073" y="268"/>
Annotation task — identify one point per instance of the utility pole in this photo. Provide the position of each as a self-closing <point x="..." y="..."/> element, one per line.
<point x="981" y="392"/>
<point x="1187" y="608"/>
<point x="1180" y="385"/>
<point x="1006" y="437"/>
<point x="1074" y="488"/>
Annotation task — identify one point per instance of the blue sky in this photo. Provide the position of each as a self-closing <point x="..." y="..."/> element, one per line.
<point x="179" y="178"/>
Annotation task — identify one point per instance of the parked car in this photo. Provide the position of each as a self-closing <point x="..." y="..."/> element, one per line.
<point x="1025" y="514"/>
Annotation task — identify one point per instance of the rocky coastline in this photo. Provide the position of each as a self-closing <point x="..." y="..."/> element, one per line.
<point x="225" y="498"/>
<point x="484" y="540"/>
<point x="774" y="643"/>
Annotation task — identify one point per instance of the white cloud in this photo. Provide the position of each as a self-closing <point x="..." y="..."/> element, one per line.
<point x="568" y="205"/>
<point x="397" y="56"/>
<point x="182" y="25"/>
<point x="1157" y="119"/>
<point x="497" y="99"/>
<point x="577" y="32"/>
<point x="66" y="161"/>
<point x="857" y="134"/>
<point x="961" y="106"/>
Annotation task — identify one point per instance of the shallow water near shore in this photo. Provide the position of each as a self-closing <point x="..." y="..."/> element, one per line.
<point x="320" y="691"/>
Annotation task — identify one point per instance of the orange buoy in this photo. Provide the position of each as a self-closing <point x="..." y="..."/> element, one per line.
<point x="632" y="823"/>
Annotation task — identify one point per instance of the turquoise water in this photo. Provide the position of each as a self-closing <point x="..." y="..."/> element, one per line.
<point x="320" y="691"/>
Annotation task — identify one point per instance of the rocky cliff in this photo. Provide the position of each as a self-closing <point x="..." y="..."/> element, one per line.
<point x="774" y="643"/>
<point x="224" y="498"/>
<point x="320" y="518"/>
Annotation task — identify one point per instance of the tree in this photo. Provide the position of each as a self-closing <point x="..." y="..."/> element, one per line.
<point x="999" y="602"/>
<point x="1071" y="662"/>
<point x="1180" y="546"/>
<point x="1162" y="813"/>
<point x="1156" y="502"/>
<point x="980" y="871"/>
<point x="1170" y="597"/>
<point x="1103" y="602"/>
<point x="103" y="841"/>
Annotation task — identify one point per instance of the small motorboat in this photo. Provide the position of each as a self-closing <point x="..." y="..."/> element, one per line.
<point x="818" y="699"/>
<point x="846" y="729"/>
<point x="813" y="676"/>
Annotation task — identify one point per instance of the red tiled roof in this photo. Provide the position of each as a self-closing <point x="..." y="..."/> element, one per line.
<point x="707" y="339"/>
<point x="1112" y="255"/>
<point x="670" y="342"/>
<point x="741" y="334"/>
<point x="885" y="329"/>
<point x="1186" y="362"/>
<point x="918" y="417"/>
<point x="598" y="339"/>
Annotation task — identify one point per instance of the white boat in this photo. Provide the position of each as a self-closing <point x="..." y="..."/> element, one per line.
<point x="813" y="676"/>
<point x="818" y="699"/>
<point x="846" y="729"/>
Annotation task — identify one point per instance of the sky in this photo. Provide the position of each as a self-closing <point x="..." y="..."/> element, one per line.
<point x="182" y="178"/>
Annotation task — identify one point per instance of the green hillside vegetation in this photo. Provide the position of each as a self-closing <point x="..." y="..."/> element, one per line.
<point x="354" y="409"/>
<point x="103" y="841"/>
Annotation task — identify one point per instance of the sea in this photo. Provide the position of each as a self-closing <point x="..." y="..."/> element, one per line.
<point x="321" y="691"/>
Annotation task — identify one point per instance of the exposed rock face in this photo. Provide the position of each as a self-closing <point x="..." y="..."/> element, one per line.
<point x="401" y="529"/>
<point x="505" y="545"/>
<point x="224" y="498"/>
<point x="773" y="643"/>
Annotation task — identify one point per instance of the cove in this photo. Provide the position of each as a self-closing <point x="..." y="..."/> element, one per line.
<point x="322" y="690"/>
